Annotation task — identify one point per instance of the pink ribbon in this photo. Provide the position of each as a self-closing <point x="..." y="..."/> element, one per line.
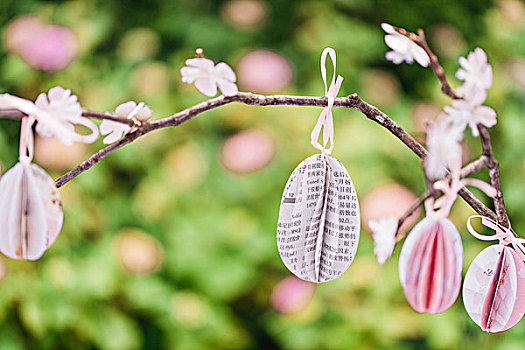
<point x="440" y="208"/>
<point x="26" y="141"/>
<point x="503" y="234"/>
<point x="325" y="120"/>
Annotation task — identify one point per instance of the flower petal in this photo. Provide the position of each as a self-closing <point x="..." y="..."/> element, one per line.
<point x="124" y="109"/>
<point x="143" y="114"/>
<point x="227" y="88"/>
<point x="387" y="28"/>
<point x="420" y="55"/>
<point x="207" y="85"/>
<point x="225" y="72"/>
<point x="113" y="129"/>
<point x="398" y="42"/>
<point x="486" y="116"/>
<point x="201" y="63"/>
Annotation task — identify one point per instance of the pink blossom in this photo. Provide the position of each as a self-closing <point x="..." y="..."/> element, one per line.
<point x="248" y="151"/>
<point x="264" y="71"/>
<point x="44" y="47"/>
<point x="292" y="295"/>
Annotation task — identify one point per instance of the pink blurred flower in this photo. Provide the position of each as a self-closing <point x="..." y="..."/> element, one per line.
<point x="47" y="47"/>
<point x="248" y="151"/>
<point x="245" y="14"/>
<point x="291" y="295"/>
<point x="390" y="199"/>
<point x="264" y="71"/>
<point x="138" y="252"/>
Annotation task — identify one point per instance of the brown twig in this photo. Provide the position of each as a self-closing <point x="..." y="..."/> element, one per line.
<point x="15" y="114"/>
<point x="493" y="166"/>
<point x="438" y="70"/>
<point x="352" y="101"/>
<point x="494" y="175"/>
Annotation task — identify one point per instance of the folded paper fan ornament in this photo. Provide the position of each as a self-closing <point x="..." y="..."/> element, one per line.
<point x="430" y="265"/>
<point x="494" y="287"/>
<point x="319" y="222"/>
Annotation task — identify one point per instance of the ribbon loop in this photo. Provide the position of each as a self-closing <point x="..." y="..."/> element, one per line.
<point x="26" y="141"/>
<point x="503" y="234"/>
<point x="325" y="120"/>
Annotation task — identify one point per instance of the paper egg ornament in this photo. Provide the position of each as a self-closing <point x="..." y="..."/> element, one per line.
<point x="31" y="213"/>
<point x="318" y="227"/>
<point x="430" y="265"/>
<point x="494" y="289"/>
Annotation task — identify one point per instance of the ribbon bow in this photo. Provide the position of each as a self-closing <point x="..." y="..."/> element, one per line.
<point x="503" y="234"/>
<point x="325" y="120"/>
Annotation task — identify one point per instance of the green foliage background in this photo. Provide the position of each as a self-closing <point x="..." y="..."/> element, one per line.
<point x="218" y="231"/>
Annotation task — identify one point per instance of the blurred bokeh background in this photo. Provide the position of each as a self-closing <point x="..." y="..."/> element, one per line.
<point x="170" y="242"/>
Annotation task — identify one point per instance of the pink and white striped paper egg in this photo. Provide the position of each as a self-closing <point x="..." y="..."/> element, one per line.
<point x="494" y="289"/>
<point x="430" y="265"/>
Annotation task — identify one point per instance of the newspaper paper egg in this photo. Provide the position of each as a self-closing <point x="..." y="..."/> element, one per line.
<point x="430" y="265"/>
<point x="494" y="289"/>
<point x="318" y="228"/>
<point x="31" y="213"/>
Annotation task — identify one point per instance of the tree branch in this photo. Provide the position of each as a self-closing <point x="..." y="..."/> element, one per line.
<point x="16" y="114"/>
<point x="421" y="40"/>
<point x="493" y="166"/>
<point x="352" y="101"/>
<point x="494" y="175"/>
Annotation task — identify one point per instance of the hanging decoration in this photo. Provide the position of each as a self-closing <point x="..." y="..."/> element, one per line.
<point x="319" y="221"/>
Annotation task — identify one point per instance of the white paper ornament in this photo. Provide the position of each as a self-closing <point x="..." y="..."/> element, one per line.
<point x="319" y="222"/>
<point x="31" y="213"/>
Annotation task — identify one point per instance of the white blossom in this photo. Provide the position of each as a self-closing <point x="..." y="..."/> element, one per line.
<point x="56" y="114"/>
<point x="464" y="112"/>
<point x="126" y="110"/>
<point x="476" y="73"/>
<point x="403" y="49"/>
<point x="384" y="235"/>
<point x="207" y="76"/>
<point x="443" y="144"/>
